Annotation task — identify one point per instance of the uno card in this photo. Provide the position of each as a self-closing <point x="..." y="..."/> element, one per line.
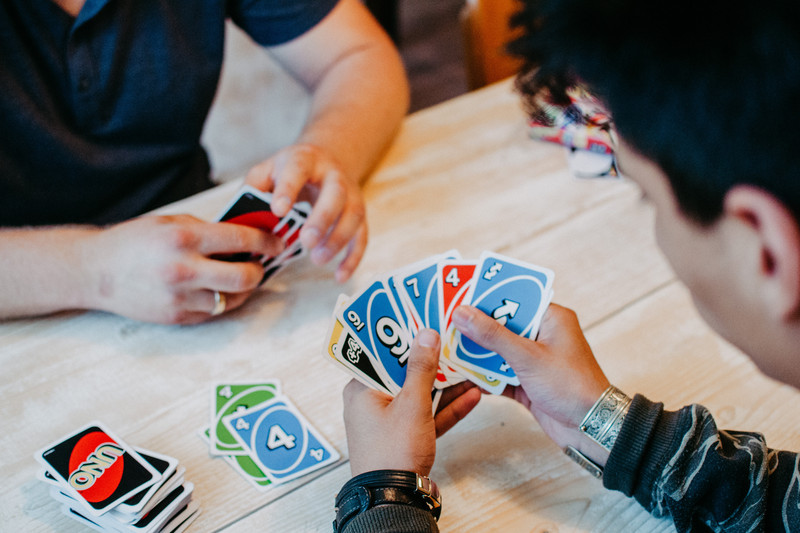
<point x="230" y="397"/>
<point x="454" y="278"/>
<point x="243" y="464"/>
<point x="373" y="318"/>
<point x="96" y="467"/>
<point x="282" y="442"/>
<point x="345" y="350"/>
<point x="165" y="465"/>
<point x="487" y="383"/>
<point x="417" y="286"/>
<point x="182" y="519"/>
<point x="251" y="208"/>
<point x="516" y="295"/>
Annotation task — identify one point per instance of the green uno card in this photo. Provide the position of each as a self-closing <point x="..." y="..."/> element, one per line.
<point x="228" y="399"/>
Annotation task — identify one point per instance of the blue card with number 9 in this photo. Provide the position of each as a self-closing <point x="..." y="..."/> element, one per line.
<point x="375" y="320"/>
<point x="280" y="440"/>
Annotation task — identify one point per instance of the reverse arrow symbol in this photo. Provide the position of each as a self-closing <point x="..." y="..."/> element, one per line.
<point x="505" y="311"/>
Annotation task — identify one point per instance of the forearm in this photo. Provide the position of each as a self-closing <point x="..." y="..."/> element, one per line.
<point x="42" y="270"/>
<point x="679" y="464"/>
<point x="359" y="91"/>
<point x="357" y="108"/>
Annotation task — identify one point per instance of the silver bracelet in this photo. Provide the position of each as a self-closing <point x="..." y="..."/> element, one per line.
<point x="590" y="466"/>
<point x="604" y="420"/>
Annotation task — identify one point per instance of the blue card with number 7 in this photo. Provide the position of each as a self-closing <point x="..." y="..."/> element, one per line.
<point x="516" y="295"/>
<point x="280" y="440"/>
<point x="374" y="319"/>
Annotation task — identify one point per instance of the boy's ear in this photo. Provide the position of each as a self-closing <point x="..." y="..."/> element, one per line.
<point x="778" y="235"/>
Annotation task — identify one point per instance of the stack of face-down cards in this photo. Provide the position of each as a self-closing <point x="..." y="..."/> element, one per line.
<point x="372" y="331"/>
<point x="108" y="485"/>
<point x="262" y="435"/>
<point x="253" y="208"/>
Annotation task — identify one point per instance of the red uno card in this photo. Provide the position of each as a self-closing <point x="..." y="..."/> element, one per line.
<point x="454" y="278"/>
<point x="94" y="466"/>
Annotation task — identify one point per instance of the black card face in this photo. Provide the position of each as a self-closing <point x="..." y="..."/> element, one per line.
<point x="157" y="463"/>
<point x="159" y="508"/>
<point x="354" y="354"/>
<point x="246" y="203"/>
<point x="98" y="468"/>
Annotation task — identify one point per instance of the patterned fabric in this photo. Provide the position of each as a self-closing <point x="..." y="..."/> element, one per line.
<point x="679" y="464"/>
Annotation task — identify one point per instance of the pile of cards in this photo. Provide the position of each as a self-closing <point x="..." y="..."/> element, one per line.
<point x="372" y="331"/>
<point x="262" y="435"/>
<point x="251" y="207"/>
<point x="583" y="127"/>
<point x="108" y="485"/>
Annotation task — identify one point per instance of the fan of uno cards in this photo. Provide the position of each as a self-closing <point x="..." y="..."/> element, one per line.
<point x="372" y="331"/>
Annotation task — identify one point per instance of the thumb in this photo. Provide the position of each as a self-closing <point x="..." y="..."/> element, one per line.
<point x="423" y="362"/>
<point x="487" y="332"/>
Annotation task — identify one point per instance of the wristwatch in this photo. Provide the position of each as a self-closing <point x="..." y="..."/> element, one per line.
<point x="381" y="487"/>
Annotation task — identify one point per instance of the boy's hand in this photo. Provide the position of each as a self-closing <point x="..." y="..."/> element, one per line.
<point x="400" y="433"/>
<point x="559" y="377"/>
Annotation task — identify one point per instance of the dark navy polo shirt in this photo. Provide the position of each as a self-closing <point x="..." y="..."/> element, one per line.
<point x="101" y="115"/>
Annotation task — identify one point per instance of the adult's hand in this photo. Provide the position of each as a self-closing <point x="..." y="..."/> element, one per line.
<point x="337" y="220"/>
<point x="163" y="268"/>
<point x="400" y="433"/>
<point x="559" y="376"/>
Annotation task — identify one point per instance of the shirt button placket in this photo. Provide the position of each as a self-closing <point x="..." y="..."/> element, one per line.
<point x="83" y="83"/>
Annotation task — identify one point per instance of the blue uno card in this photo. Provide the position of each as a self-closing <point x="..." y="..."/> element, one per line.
<point x="515" y="294"/>
<point x="374" y="319"/>
<point x="280" y="440"/>
<point x="418" y="286"/>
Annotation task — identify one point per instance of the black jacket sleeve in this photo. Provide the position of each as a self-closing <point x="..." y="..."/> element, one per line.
<point x="392" y="519"/>
<point x="679" y="464"/>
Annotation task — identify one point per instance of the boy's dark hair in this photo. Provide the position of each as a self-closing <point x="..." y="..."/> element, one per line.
<point x="708" y="90"/>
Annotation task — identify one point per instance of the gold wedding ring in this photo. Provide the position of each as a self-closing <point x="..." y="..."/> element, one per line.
<point x="220" y="302"/>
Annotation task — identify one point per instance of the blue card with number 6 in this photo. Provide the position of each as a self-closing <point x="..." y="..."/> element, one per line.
<point x="516" y="295"/>
<point x="374" y="319"/>
<point x="280" y="440"/>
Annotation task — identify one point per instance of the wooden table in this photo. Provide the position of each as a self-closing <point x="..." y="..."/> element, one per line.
<point x="461" y="175"/>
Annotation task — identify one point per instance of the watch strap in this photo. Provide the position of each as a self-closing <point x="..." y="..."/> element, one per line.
<point x="382" y="487"/>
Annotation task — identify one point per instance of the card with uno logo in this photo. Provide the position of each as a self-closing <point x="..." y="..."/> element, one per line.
<point x="281" y="441"/>
<point x="516" y="295"/>
<point x="228" y="398"/>
<point x="374" y="319"/>
<point x="94" y="466"/>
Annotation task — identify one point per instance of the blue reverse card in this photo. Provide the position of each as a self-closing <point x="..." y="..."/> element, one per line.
<point x="513" y="293"/>
<point x="374" y="319"/>
<point x="280" y="440"/>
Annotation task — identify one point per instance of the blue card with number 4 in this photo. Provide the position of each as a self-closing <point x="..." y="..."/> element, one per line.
<point x="516" y="295"/>
<point x="280" y="440"/>
<point x="374" y="319"/>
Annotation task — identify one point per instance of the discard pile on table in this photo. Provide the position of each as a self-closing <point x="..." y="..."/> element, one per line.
<point x="108" y="485"/>
<point x="262" y="435"/>
<point x="372" y="331"/>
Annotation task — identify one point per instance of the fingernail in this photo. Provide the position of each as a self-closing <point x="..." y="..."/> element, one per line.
<point x="428" y="338"/>
<point x="281" y="204"/>
<point x="321" y="255"/>
<point x="461" y="317"/>
<point x="310" y="237"/>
